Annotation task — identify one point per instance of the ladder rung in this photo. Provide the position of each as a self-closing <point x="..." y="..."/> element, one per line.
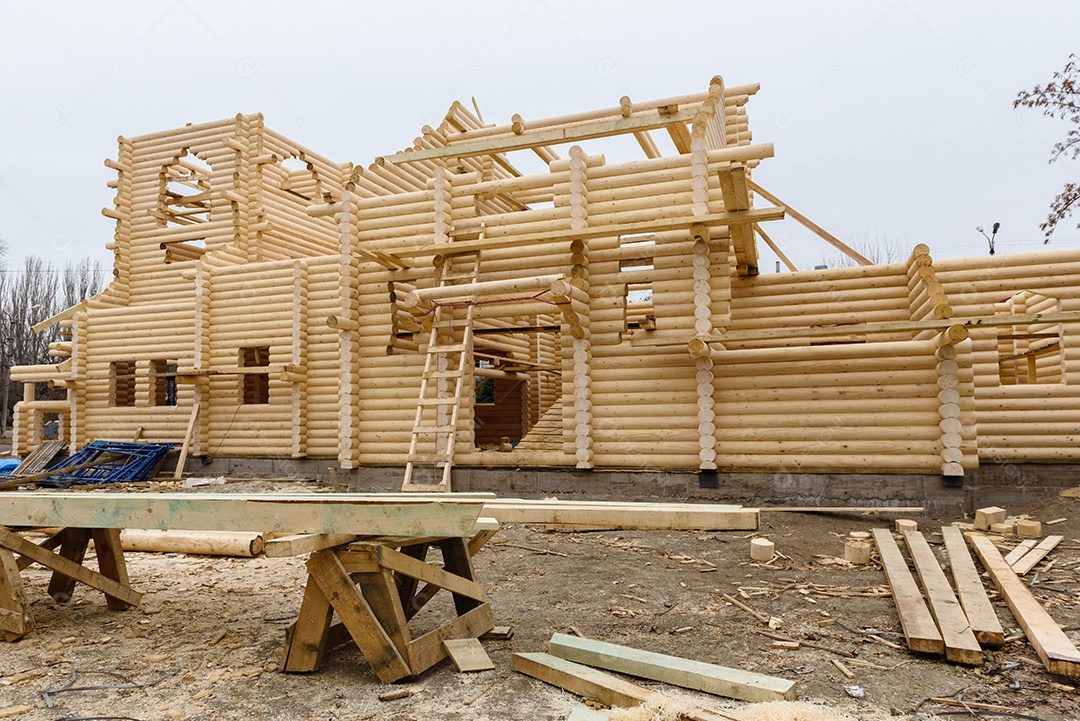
<point x="458" y="276"/>
<point x="438" y="402"/>
<point x="455" y="348"/>
<point x="444" y="374"/>
<point x="434" y="429"/>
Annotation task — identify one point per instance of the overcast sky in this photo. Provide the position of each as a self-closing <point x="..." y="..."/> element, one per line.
<point x="891" y="120"/>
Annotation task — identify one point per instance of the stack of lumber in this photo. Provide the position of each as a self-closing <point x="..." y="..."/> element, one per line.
<point x="959" y="624"/>
<point x="571" y="663"/>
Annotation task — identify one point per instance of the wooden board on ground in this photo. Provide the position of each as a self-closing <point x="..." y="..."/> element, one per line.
<point x="581" y="680"/>
<point x="1017" y="553"/>
<point x="960" y="643"/>
<point x="969" y="587"/>
<point x="1054" y="648"/>
<point x="468" y="655"/>
<point x="697" y="675"/>
<point x="1030" y="559"/>
<point x="919" y="627"/>
<point x="277" y="513"/>
<point x="585" y="515"/>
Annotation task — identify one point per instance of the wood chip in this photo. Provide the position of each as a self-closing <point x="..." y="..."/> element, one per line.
<point x="842" y="668"/>
<point x="400" y="693"/>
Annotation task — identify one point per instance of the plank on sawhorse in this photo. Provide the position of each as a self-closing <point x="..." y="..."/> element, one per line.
<point x="960" y="643"/>
<point x="969" y="586"/>
<point x="467" y="655"/>
<point x="707" y="677"/>
<point x="1054" y="648"/>
<point x="1030" y="559"/>
<point x="919" y="627"/>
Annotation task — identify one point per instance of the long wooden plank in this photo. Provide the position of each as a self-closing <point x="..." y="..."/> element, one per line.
<point x="269" y="513"/>
<point x="581" y="680"/>
<point x="754" y="215"/>
<point x="68" y="568"/>
<point x="969" y="587"/>
<point x="626" y="516"/>
<point x="919" y="627"/>
<point x="1054" y="648"/>
<point x="549" y="136"/>
<point x="467" y="655"/>
<point x="707" y="677"/>
<point x="1019" y="552"/>
<point x="956" y="633"/>
<point x="1032" y="557"/>
<point x="356" y="614"/>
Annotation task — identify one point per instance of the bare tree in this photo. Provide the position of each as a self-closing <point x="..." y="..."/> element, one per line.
<point x="879" y="249"/>
<point x="1060" y="98"/>
<point x="28" y="296"/>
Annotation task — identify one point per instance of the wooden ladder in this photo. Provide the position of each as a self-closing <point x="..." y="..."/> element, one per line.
<point x="448" y="360"/>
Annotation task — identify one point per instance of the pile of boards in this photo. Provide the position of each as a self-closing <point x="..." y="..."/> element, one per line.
<point x="960" y="624"/>
<point x="572" y="663"/>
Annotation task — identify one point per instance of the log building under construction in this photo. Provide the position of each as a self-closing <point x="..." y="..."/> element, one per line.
<point x="441" y="307"/>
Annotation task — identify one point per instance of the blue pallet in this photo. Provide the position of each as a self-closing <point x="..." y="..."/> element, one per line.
<point x="135" y="462"/>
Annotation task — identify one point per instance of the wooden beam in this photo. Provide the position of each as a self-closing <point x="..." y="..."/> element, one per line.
<point x="596" y="685"/>
<point x="13" y="599"/>
<point x="969" y="587"/>
<point x="356" y="614"/>
<point x="581" y="680"/>
<point x="1017" y="553"/>
<point x="956" y="633"/>
<point x="69" y="568"/>
<point x="467" y="655"/>
<point x="624" y="516"/>
<point x="306" y="638"/>
<point x="642" y="338"/>
<point x="707" y="677"/>
<point x="1053" y="647"/>
<point x="267" y="513"/>
<point x="810" y="225"/>
<point x="1032" y="557"/>
<point x="428" y="650"/>
<point x="186" y="445"/>
<point x="301" y="543"/>
<point x="775" y="248"/>
<point x="421" y="571"/>
<point x="551" y="136"/>
<point x="754" y="215"/>
<point x="919" y="627"/>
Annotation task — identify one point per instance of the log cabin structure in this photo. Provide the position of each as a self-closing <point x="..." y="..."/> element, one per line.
<point x="425" y="309"/>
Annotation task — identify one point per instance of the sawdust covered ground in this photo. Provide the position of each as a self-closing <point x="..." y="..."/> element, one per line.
<point x="210" y="632"/>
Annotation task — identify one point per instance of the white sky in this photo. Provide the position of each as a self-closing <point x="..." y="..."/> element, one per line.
<point x="890" y="119"/>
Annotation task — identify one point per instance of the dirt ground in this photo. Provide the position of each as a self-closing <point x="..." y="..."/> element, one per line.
<point x="657" y="590"/>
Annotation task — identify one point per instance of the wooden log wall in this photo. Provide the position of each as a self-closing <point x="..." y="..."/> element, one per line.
<point x="234" y="245"/>
<point x="1020" y="421"/>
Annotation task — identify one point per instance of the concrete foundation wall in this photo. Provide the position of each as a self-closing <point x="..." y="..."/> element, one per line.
<point x="993" y="484"/>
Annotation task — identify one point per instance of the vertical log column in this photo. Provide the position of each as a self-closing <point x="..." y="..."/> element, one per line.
<point x="76" y="383"/>
<point x="298" y="375"/>
<point x="125" y="171"/>
<point x="576" y="345"/>
<point x="200" y="393"/>
<point x="443" y="186"/>
<point x="349" y="352"/>
<point x="1070" y="344"/>
<point x="247" y="188"/>
<point x="949" y="399"/>
<point x="700" y="350"/>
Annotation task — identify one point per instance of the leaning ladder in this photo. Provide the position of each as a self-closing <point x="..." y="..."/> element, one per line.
<point x="448" y="360"/>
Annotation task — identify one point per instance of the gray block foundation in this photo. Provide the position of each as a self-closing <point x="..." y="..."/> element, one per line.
<point x="1006" y="484"/>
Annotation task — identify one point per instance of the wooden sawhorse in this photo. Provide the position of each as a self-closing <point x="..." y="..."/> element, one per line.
<point x="67" y="566"/>
<point x="374" y="586"/>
